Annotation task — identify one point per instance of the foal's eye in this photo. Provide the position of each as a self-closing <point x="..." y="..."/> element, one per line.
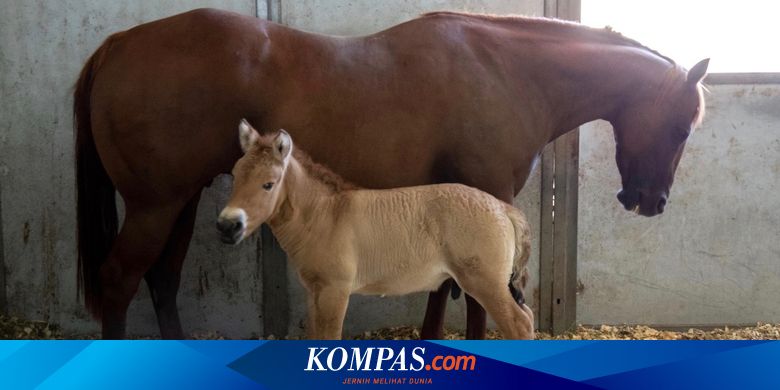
<point x="268" y="186"/>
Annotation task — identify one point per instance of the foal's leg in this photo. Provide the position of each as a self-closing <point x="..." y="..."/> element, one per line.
<point x="139" y="244"/>
<point x="476" y="318"/>
<point x="165" y="275"/>
<point x="433" y="324"/>
<point x="513" y="320"/>
<point x="491" y="178"/>
<point x="327" y="308"/>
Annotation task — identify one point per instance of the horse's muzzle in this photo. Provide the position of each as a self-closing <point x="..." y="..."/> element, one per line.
<point x="644" y="202"/>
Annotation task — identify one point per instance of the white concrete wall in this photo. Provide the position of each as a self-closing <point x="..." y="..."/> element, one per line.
<point x="367" y="16"/>
<point x="356" y="17"/>
<point x="713" y="257"/>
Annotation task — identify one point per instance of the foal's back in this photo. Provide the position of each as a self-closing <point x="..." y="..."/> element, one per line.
<point x="411" y="239"/>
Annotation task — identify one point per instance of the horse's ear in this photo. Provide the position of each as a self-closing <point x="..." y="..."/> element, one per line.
<point x="247" y="135"/>
<point x="283" y="145"/>
<point x="697" y="73"/>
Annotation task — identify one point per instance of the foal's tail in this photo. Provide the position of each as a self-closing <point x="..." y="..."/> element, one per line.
<point x="522" y="251"/>
<point x="96" y="207"/>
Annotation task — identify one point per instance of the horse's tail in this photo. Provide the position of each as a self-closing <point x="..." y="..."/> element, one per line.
<point x="519" y="277"/>
<point x="96" y="208"/>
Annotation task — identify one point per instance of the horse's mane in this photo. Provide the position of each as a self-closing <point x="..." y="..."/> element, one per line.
<point x="571" y="29"/>
<point x="575" y="30"/>
<point x="322" y="173"/>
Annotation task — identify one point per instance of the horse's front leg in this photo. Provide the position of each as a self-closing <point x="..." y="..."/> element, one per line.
<point x="327" y="308"/>
<point x="138" y="246"/>
<point x="164" y="276"/>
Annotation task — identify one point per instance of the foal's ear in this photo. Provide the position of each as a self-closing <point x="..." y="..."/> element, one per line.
<point x="247" y="135"/>
<point x="697" y="73"/>
<point x="283" y="145"/>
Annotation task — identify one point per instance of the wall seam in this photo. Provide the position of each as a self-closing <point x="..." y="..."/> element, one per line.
<point x="276" y="289"/>
<point x="3" y="300"/>
<point x="274" y="11"/>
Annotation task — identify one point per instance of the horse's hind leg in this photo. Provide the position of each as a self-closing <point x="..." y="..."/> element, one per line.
<point x="476" y="319"/>
<point x="433" y="324"/>
<point x="138" y="246"/>
<point x="164" y="277"/>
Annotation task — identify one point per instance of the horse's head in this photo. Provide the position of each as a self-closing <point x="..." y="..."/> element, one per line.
<point x="650" y="131"/>
<point x="257" y="177"/>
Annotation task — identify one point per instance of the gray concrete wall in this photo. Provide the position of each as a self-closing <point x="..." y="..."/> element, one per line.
<point x="713" y="257"/>
<point x="43" y="45"/>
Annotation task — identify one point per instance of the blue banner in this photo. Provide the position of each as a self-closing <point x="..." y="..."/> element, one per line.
<point x="635" y="365"/>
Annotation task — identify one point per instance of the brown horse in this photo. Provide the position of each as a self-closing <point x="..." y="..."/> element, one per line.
<point x="444" y="98"/>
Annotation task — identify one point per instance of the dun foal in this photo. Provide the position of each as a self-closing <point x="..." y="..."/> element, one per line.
<point x="343" y="240"/>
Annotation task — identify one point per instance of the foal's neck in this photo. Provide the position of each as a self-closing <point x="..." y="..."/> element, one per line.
<point x="303" y="202"/>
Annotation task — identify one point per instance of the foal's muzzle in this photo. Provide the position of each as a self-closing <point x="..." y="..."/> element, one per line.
<point x="231" y="225"/>
<point x="230" y="231"/>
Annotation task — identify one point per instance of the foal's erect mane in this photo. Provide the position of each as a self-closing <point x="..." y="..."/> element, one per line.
<point x="322" y="173"/>
<point x="572" y="30"/>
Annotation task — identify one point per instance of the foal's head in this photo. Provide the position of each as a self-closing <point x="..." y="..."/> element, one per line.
<point x="257" y="182"/>
<point x="650" y="131"/>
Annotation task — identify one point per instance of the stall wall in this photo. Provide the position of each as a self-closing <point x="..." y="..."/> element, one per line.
<point x="713" y="257"/>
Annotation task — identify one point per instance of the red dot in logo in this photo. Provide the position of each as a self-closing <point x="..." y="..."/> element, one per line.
<point x="427" y="367"/>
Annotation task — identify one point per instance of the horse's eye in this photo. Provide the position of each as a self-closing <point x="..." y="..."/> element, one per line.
<point x="268" y="186"/>
<point x="683" y="133"/>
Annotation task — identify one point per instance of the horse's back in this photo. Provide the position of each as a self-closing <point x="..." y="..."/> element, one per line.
<point x="170" y="91"/>
<point x="173" y="91"/>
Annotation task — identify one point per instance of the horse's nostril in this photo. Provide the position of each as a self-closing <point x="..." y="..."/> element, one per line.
<point x="621" y="196"/>
<point x="661" y="204"/>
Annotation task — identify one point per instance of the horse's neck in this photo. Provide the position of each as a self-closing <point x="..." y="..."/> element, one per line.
<point x="585" y="82"/>
<point x="303" y="202"/>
